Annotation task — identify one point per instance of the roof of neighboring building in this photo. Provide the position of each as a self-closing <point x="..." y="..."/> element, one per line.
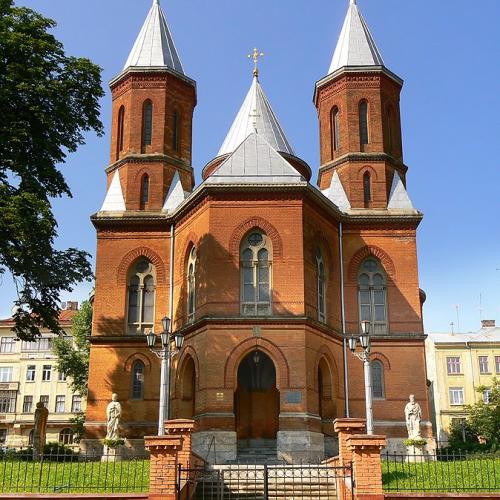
<point x="484" y="335"/>
<point x="356" y="46"/>
<point x="155" y="47"/>
<point x="65" y="318"/>
<point x="256" y="116"/>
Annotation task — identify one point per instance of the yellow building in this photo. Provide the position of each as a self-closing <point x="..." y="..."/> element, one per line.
<point x="457" y="365"/>
<point x="27" y="375"/>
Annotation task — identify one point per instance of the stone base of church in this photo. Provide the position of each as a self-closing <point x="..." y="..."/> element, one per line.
<point x="216" y="446"/>
<point x="95" y="448"/>
<point x="301" y="446"/>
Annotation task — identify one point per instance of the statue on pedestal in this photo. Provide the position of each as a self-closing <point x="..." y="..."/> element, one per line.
<point x="413" y="415"/>
<point x="113" y="416"/>
<point x="40" y="429"/>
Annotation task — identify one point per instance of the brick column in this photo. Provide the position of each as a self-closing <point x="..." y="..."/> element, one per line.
<point x="346" y="427"/>
<point x="183" y="428"/>
<point x="163" y="465"/>
<point x="367" y="467"/>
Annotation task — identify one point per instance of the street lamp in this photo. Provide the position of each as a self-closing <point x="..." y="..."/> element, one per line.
<point x="364" y="356"/>
<point x="165" y="353"/>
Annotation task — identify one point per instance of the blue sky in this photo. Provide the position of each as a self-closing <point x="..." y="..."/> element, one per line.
<point x="448" y="53"/>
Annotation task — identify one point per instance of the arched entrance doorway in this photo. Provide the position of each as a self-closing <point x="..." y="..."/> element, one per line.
<point x="256" y="398"/>
<point x="188" y="389"/>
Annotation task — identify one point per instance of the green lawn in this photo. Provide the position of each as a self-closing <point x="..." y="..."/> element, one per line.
<point x="17" y="476"/>
<point x="480" y="473"/>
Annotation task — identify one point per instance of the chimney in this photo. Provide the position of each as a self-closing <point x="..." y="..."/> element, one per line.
<point x="73" y="306"/>
<point x="488" y="323"/>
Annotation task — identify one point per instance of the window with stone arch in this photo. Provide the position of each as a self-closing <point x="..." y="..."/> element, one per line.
<point x="256" y="275"/>
<point x="147" y="123"/>
<point x="377" y="369"/>
<point x="138" y="380"/>
<point x="372" y="295"/>
<point x="120" y="131"/>
<point x="321" y="286"/>
<point x="191" y="285"/>
<point x="141" y="297"/>
<point x="175" y="130"/>
<point x="367" y="189"/>
<point x="363" y="124"/>
<point x="335" y="124"/>
<point x="144" y="190"/>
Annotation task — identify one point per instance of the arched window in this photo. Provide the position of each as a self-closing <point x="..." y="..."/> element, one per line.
<point x="138" y="380"/>
<point x="335" y="128"/>
<point x="191" y="284"/>
<point x="367" y="188"/>
<point x="377" y="369"/>
<point x="255" y="255"/>
<point x="66" y="436"/>
<point x="373" y="295"/>
<point x="144" y="190"/>
<point x="175" y="131"/>
<point x="141" y="297"/>
<point x="321" y="286"/>
<point x="363" y="123"/>
<point x="120" y="131"/>
<point x="147" y="123"/>
<point x="389" y="129"/>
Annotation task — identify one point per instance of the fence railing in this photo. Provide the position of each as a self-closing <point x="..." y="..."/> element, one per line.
<point x="447" y="470"/>
<point x="70" y="472"/>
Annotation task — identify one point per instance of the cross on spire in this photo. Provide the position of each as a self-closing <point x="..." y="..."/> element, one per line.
<point x="255" y="56"/>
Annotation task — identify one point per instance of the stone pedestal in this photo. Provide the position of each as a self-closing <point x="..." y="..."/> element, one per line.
<point x="415" y="454"/>
<point x="223" y="449"/>
<point x="112" y="454"/>
<point x="301" y="446"/>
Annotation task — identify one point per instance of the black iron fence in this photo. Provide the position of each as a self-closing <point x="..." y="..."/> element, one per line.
<point x="65" y="471"/>
<point x="264" y="482"/>
<point x="445" y="470"/>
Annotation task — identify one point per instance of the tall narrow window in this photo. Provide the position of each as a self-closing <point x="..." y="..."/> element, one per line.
<point x="377" y="379"/>
<point x="367" y="188"/>
<point x="389" y="129"/>
<point x="373" y="295"/>
<point x="255" y="275"/>
<point x="138" y="380"/>
<point x="147" y="123"/>
<point x="144" y="190"/>
<point x="141" y="297"/>
<point x="191" y="284"/>
<point x="363" y="123"/>
<point x="335" y="128"/>
<point x="320" y="280"/>
<point x="175" y="131"/>
<point x="120" y="132"/>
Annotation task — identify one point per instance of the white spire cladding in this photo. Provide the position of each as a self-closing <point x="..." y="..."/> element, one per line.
<point x="336" y="192"/>
<point x="398" y="197"/>
<point x="256" y="116"/>
<point x="155" y="46"/>
<point x="114" y="201"/>
<point x="356" y="46"/>
<point x="175" y="195"/>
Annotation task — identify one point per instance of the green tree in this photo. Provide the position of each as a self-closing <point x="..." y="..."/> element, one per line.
<point x="48" y="100"/>
<point x="73" y="354"/>
<point x="484" y="417"/>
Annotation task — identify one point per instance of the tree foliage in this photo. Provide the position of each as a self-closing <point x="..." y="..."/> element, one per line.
<point x="73" y="354"/>
<point x="48" y="100"/>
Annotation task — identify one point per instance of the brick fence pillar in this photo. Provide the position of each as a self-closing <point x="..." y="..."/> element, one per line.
<point x="366" y="464"/>
<point x="183" y="428"/>
<point x="346" y="427"/>
<point x="163" y="465"/>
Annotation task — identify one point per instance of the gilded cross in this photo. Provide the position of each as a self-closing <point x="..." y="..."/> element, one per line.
<point x="255" y="56"/>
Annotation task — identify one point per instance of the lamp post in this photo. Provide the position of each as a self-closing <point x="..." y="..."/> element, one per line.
<point x="165" y="353"/>
<point x="364" y="356"/>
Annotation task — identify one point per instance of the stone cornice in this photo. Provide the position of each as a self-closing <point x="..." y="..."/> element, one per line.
<point x="149" y="158"/>
<point x="363" y="158"/>
<point x="150" y="70"/>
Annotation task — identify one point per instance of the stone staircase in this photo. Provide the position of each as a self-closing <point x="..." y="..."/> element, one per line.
<point x="284" y="482"/>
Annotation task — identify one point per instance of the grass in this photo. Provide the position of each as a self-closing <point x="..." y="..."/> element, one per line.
<point x="17" y="476"/>
<point x="476" y="473"/>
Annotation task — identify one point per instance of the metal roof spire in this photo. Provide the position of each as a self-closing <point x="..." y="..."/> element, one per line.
<point x="155" y="47"/>
<point x="256" y="116"/>
<point x="356" y="46"/>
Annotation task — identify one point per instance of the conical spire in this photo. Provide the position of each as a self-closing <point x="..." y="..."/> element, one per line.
<point x="356" y="46"/>
<point x="155" y="46"/>
<point x="256" y="116"/>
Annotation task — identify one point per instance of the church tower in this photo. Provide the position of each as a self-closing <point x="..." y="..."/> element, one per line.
<point x="359" y="120"/>
<point x="153" y="104"/>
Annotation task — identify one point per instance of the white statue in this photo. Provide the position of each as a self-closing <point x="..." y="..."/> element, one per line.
<point x="113" y="415"/>
<point x="413" y="414"/>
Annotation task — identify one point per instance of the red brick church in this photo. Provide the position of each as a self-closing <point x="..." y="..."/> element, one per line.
<point x="264" y="271"/>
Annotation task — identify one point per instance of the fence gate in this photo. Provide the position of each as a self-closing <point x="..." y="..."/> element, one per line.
<point x="264" y="482"/>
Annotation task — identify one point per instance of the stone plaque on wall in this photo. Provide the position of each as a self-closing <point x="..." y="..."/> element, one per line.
<point x="293" y="397"/>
